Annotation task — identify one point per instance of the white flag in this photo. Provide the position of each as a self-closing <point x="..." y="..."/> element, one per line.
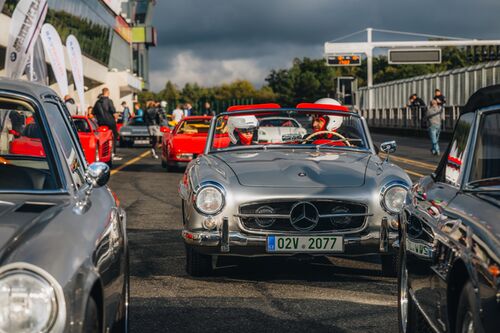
<point x="25" y="26"/>
<point x="75" y="59"/>
<point x="54" y="50"/>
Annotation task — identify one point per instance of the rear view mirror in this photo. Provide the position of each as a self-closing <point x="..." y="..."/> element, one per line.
<point x="164" y="129"/>
<point x="103" y="129"/>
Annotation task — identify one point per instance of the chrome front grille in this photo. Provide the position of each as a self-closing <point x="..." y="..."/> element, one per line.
<point x="303" y="216"/>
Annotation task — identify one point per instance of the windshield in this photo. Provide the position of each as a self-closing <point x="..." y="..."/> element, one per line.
<point x="300" y="128"/>
<point x="485" y="169"/>
<point x="82" y="125"/>
<point x="23" y="161"/>
<point x="194" y="126"/>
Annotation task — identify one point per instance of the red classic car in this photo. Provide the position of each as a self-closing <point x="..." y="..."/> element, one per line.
<point x="184" y="142"/>
<point x="97" y="141"/>
<point x="28" y="142"/>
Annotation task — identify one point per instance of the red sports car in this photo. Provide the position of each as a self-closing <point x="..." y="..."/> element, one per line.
<point x="184" y="142"/>
<point x="28" y="142"/>
<point x="97" y="141"/>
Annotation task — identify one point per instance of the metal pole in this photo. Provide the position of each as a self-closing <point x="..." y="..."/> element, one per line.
<point x="369" y="56"/>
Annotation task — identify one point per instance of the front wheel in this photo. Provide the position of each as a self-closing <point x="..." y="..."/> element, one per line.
<point x="468" y="311"/>
<point x="91" y="322"/>
<point x="198" y="264"/>
<point x="390" y="264"/>
<point x="408" y="317"/>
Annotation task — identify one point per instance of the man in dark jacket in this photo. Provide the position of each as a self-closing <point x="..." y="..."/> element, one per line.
<point x="418" y="105"/>
<point x="104" y="112"/>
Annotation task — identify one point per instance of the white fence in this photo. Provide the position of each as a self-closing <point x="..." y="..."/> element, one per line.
<point x="391" y="98"/>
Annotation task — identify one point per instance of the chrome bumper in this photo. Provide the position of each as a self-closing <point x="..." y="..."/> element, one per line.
<point x="216" y="242"/>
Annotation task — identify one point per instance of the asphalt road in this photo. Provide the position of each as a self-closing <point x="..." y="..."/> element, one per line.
<point x="327" y="295"/>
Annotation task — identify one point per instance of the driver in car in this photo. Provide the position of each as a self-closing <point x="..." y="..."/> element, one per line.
<point x="241" y="129"/>
<point x="327" y="124"/>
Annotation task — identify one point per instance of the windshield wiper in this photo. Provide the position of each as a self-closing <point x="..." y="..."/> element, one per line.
<point x="481" y="183"/>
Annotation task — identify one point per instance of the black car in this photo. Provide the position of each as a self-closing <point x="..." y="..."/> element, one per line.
<point x="449" y="274"/>
<point x="63" y="246"/>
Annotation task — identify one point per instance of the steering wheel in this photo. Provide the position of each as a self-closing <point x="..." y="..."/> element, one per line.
<point x="312" y="135"/>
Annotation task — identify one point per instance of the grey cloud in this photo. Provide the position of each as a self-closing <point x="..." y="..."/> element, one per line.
<point x="272" y="32"/>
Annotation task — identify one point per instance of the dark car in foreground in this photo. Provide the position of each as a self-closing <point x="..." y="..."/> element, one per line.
<point x="63" y="246"/>
<point x="449" y="275"/>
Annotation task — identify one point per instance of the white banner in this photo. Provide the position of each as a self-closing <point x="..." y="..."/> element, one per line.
<point x="75" y="59"/>
<point x="115" y="5"/>
<point x="54" y="50"/>
<point x="25" y="26"/>
<point x="36" y="68"/>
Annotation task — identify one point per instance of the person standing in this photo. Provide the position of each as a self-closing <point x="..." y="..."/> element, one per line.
<point x="126" y="114"/>
<point x="439" y="97"/>
<point x="207" y="110"/>
<point x="433" y="118"/>
<point x="104" y="112"/>
<point x="152" y="119"/>
<point x="138" y="113"/>
<point x="178" y="114"/>
<point x="71" y="105"/>
<point x="417" y="105"/>
<point x="188" y="110"/>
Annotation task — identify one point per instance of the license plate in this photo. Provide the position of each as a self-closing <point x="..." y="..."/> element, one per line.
<point x="419" y="249"/>
<point x="301" y="244"/>
<point x="141" y="142"/>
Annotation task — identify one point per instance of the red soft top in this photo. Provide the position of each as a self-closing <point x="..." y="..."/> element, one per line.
<point x="322" y="107"/>
<point x="197" y="117"/>
<point x="254" y="107"/>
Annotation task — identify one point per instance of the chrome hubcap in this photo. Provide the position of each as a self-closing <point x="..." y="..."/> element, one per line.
<point x="468" y="323"/>
<point x="403" y="295"/>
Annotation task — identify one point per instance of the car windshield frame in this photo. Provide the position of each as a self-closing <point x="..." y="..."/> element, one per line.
<point x="51" y="154"/>
<point x="484" y="184"/>
<point x="279" y="113"/>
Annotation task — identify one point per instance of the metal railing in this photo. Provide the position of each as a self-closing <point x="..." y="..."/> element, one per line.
<point x="409" y="118"/>
<point x="391" y="98"/>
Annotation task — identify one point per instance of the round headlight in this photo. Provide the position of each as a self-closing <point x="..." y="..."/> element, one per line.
<point x="27" y="303"/>
<point x="394" y="199"/>
<point x="209" y="200"/>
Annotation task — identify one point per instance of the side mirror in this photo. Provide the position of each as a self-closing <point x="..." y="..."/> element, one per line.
<point x="164" y="129"/>
<point x="388" y="147"/>
<point x="103" y="129"/>
<point x="98" y="174"/>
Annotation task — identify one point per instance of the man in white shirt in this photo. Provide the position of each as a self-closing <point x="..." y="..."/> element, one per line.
<point x="177" y="114"/>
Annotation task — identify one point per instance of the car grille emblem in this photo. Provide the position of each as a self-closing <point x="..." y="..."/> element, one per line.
<point x="304" y="216"/>
<point x="302" y="174"/>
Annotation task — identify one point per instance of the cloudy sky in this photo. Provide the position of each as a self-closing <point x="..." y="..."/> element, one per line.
<point x="216" y="41"/>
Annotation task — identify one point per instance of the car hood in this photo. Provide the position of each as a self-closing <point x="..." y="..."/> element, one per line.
<point x="298" y="168"/>
<point x="18" y="217"/>
<point x="189" y="143"/>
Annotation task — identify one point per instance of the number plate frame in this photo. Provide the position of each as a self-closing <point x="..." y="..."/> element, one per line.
<point x="303" y="241"/>
<point x="142" y="142"/>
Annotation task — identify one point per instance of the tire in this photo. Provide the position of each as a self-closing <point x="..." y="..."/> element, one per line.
<point x="467" y="311"/>
<point x="110" y="162"/>
<point x="197" y="264"/>
<point x="91" y="323"/>
<point x="409" y="320"/>
<point x="122" y="324"/>
<point x="390" y="264"/>
<point x="163" y="164"/>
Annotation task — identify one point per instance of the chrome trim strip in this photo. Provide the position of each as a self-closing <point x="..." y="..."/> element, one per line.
<point x="285" y="216"/>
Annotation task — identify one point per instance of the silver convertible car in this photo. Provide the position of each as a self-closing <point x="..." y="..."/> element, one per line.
<point x="63" y="246"/>
<point x="326" y="193"/>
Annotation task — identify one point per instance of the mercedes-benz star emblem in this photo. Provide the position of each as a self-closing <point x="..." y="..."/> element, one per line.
<point x="304" y="216"/>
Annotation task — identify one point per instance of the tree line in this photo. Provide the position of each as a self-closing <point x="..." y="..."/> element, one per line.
<point x="305" y="81"/>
